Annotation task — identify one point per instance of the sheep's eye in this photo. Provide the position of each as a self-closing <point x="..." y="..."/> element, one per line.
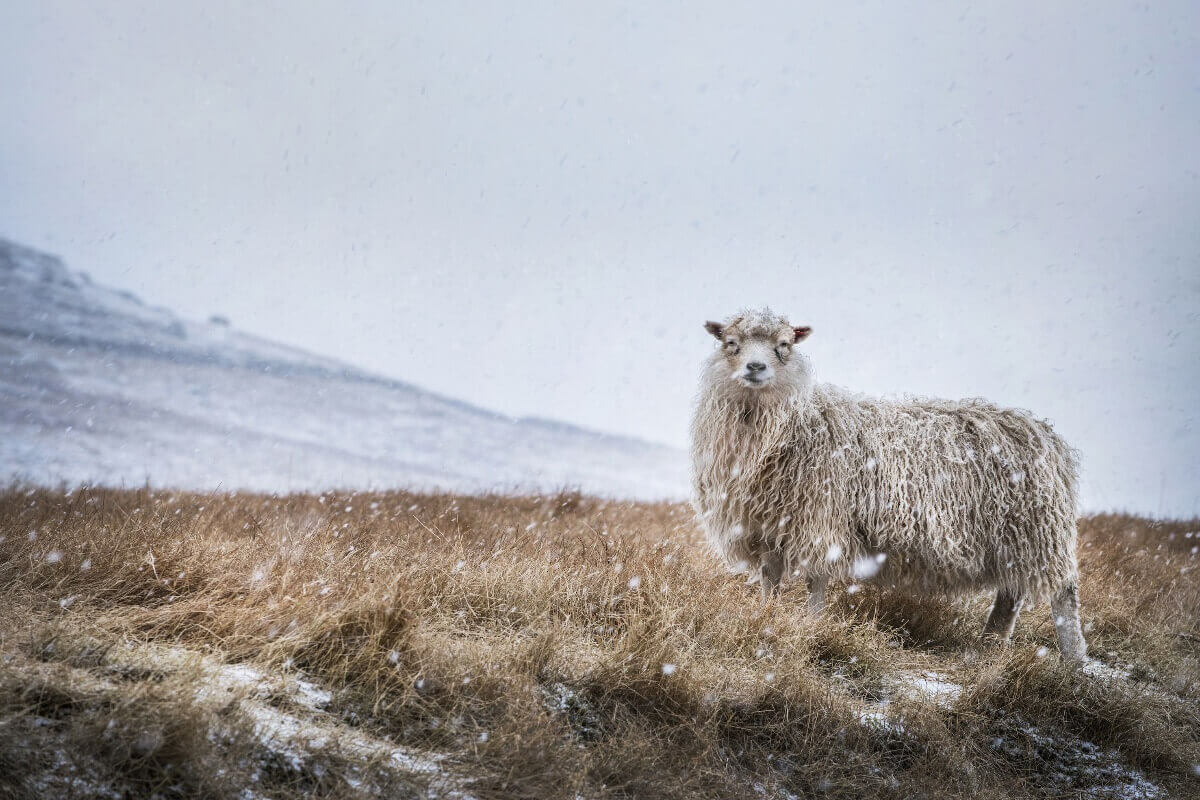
<point x="731" y="343"/>
<point x="785" y="344"/>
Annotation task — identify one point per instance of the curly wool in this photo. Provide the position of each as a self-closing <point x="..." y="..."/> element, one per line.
<point x="956" y="496"/>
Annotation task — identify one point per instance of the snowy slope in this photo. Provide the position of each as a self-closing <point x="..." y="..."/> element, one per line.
<point x="97" y="387"/>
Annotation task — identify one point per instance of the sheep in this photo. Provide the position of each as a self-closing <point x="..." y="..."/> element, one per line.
<point x="796" y="477"/>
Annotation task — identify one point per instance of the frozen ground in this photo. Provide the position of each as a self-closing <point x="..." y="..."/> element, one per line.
<point x="286" y="715"/>
<point x="96" y="387"/>
<point x="1067" y="762"/>
<point x="294" y="729"/>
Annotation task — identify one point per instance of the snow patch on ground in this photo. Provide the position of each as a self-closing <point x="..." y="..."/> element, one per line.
<point x="1075" y="762"/>
<point x="880" y="720"/>
<point x="1099" y="669"/>
<point x="583" y="719"/>
<point x="1069" y="762"/>
<point x="64" y="779"/>
<point x="926" y="686"/>
<point x="929" y="685"/>
<point x="295" y="737"/>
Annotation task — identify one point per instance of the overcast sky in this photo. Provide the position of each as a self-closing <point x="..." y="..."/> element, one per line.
<point x="535" y="206"/>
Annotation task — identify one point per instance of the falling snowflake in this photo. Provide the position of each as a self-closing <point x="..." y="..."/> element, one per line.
<point x="834" y="552"/>
<point x="668" y="669"/>
<point x="635" y="582"/>
<point x="867" y="566"/>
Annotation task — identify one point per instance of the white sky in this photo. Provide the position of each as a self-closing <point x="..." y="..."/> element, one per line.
<point x="535" y="206"/>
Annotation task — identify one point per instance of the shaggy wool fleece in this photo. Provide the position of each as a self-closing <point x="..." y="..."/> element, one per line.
<point x="943" y="495"/>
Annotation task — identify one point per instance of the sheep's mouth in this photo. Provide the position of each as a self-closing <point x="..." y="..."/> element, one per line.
<point x="753" y="382"/>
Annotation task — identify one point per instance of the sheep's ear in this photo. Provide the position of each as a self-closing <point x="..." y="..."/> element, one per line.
<point x="802" y="333"/>
<point x="715" y="328"/>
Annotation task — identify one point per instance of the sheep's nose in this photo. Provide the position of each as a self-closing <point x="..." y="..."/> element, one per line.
<point x="756" y="366"/>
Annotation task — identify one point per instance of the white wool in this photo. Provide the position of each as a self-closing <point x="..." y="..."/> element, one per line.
<point x="811" y="470"/>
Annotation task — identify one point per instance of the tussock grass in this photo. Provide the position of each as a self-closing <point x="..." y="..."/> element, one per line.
<point x="395" y="644"/>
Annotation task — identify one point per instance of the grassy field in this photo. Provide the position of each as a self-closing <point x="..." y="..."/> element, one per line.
<point x="401" y="645"/>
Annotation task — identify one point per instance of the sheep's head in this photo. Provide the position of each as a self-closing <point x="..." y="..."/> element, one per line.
<point x="758" y="351"/>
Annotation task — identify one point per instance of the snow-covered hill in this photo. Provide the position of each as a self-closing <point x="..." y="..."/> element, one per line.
<point x="97" y="387"/>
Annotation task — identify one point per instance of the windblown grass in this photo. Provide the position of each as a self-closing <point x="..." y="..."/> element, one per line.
<point x="394" y="644"/>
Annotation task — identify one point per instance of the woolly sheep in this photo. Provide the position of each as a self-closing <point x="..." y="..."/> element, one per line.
<point x="792" y="476"/>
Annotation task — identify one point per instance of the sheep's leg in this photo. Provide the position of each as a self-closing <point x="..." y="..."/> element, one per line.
<point x="770" y="573"/>
<point x="816" y="593"/>
<point x="1003" y="619"/>
<point x="1065" y="607"/>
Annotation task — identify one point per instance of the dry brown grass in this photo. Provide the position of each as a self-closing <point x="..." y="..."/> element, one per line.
<point x="160" y="644"/>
